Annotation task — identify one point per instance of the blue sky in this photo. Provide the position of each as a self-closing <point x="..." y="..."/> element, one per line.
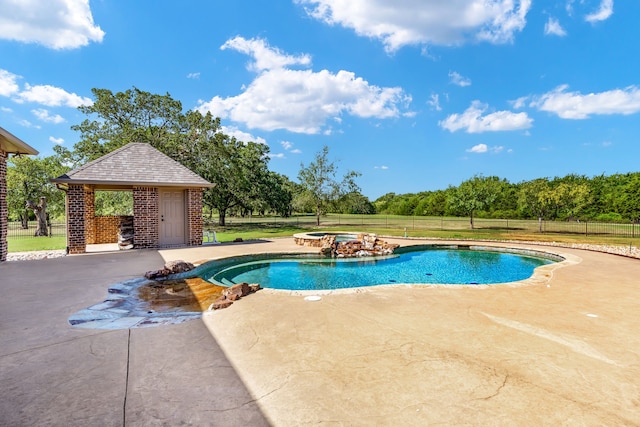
<point x="414" y="94"/>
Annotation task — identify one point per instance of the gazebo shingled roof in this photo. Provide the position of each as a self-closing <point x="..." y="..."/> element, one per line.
<point x="134" y="164"/>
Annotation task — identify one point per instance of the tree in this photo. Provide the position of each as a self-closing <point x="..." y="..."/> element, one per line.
<point x="354" y="203"/>
<point x="40" y="211"/>
<point x="238" y="169"/>
<point x="130" y="116"/>
<point x="319" y="184"/>
<point x="28" y="181"/>
<point x="474" y="195"/>
<point x="535" y="196"/>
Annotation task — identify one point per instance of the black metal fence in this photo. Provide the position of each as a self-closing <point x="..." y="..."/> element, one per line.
<point x="398" y="224"/>
<point x="16" y="230"/>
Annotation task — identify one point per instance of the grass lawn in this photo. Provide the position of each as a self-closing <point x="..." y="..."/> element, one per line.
<point x="36" y="243"/>
<point x="253" y="231"/>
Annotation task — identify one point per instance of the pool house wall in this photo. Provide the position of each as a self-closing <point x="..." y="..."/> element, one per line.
<point x="84" y="227"/>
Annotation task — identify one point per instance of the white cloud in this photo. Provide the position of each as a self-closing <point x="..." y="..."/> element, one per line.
<point x="57" y="24"/>
<point x="193" y="75"/>
<point x="603" y="13"/>
<point x="434" y="102"/>
<point x="520" y="102"/>
<point x="574" y="105"/>
<point x="480" y="148"/>
<point x="277" y="156"/>
<point x="51" y="96"/>
<point x="236" y="133"/>
<point x="473" y="121"/>
<point x="414" y="22"/>
<point x="302" y="100"/>
<point x="458" y="80"/>
<point x="264" y="56"/>
<point x="483" y="148"/>
<point x="553" y="28"/>
<point x="6" y="110"/>
<point x="44" y="116"/>
<point x="8" y="83"/>
<point x="286" y="144"/>
<point x="383" y="167"/>
<point x="28" y="124"/>
<point x="58" y="141"/>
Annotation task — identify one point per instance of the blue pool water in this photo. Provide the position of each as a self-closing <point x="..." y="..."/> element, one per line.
<point x="425" y="266"/>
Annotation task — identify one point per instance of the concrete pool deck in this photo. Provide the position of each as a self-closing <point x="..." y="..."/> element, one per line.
<point x="563" y="354"/>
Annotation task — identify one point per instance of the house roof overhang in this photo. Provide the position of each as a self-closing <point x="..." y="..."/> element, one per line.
<point x="10" y="143"/>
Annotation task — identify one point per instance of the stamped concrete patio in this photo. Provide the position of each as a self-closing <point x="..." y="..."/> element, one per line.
<point x="562" y="351"/>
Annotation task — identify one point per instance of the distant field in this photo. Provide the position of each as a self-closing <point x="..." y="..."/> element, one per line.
<point x="249" y="228"/>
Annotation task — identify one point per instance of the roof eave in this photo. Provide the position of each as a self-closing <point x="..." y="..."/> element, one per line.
<point x="100" y="183"/>
<point x="12" y="144"/>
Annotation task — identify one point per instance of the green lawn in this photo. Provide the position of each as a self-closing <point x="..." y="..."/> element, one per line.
<point x="28" y="244"/>
<point x="379" y="224"/>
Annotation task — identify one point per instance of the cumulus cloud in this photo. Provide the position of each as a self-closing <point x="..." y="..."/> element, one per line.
<point x="301" y="100"/>
<point x="193" y="75"/>
<point x="57" y="24"/>
<point x="8" y="83"/>
<point x="414" y="22"/>
<point x="44" y="116"/>
<point x="264" y="56"/>
<point x="602" y="14"/>
<point x="553" y="28"/>
<point x="51" y="96"/>
<point x="473" y="120"/>
<point x="58" y="141"/>
<point x="458" y="80"/>
<point x="574" y="105"/>
<point x="383" y="167"/>
<point x="484" y="148"/>
<point x="240" y="135"/>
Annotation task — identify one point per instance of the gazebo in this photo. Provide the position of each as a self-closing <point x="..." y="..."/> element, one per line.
<point x="167" y="199"/>
<point x="9" y="144"/>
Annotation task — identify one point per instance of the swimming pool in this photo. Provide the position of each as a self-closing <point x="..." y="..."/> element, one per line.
<point x="452" y="264"/>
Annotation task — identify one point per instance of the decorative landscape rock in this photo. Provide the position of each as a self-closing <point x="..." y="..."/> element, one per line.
<point x="364" y="245"/>
<point x="170" y="267"/>
<point x="234" y="293"/>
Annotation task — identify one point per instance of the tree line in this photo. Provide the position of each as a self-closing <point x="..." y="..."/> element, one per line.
<point x="244" y="185"/>
<point x="613" y="198"/>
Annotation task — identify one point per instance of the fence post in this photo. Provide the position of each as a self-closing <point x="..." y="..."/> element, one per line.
<point x="586" y="228"/>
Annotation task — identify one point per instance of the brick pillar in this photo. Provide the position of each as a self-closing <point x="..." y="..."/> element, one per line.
<point x="4" y="212"/>
<point x="90" y="214"/>
<point x="76" y="243"/>
<point x="194" y="213"/>
<point x="146" y="212"/>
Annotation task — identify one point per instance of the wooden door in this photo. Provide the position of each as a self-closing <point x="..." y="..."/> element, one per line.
<point x="172" y="217"/>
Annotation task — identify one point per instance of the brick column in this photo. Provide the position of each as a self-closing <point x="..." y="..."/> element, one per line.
<point x="4" y="212"/>
<point x="194" y="213"/>
<point x="76" y="243"/>
<point x="146" y="211"/>
<point x="90" y="214"/>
